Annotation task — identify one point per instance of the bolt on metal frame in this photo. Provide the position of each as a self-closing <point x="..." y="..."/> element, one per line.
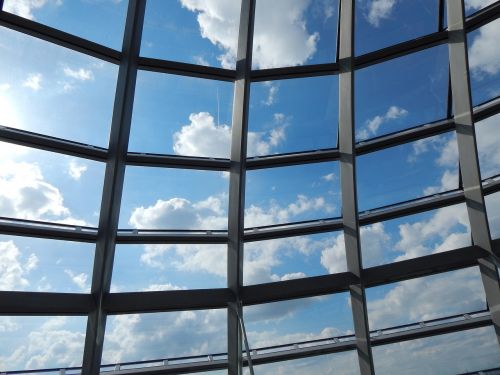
<point x="100" y="303"/>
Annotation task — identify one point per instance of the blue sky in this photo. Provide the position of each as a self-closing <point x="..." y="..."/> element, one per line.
<point x="50" y="90"/>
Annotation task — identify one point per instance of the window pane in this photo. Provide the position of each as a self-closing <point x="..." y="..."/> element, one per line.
<point x="478" y="350"/>
<point x="412" y="170"/>
<point x="381" y="24"/>
<point x="181" y="115"/>
<point x="298" y="320"/>
<point x="196" y="32"/>
<point x="34" y="342"/>
<point x="290" y="33"/>
<point x="293" y="258"/>
<point x="106" y="17"/>
<point x="288" y="194"/>
<point x="414" y="236"/>
<point x="386" y="93"/>
<point x="484" y="62"/>
<point x="52" y="90"/>
<point x="293" y="115"/>
<point x="41" y="265"/>
<point x="425" y="298"/>
<point x="493" y="210"/>
<point x="164" y="335"/>
<point x="169" y="267"/>
<point x="158" y="198"/>
<point x="488" y="145"/>
<point x="472" y="6"/>
<point x="41" y="185"/>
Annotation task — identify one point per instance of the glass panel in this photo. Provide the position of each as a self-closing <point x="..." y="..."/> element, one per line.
<point x="415" y="236"/>
<point x="340" y="363"/>
<point x="52" y="90"/>
<point x="293" y="258"/>
<point x="106" y="17"/>
<point x="386" y="93"/>
<point x="488" y="145"/>
<point x="35" y="264"/>
<point x="425" y="298"/>
<point x="493" y="210"/>
<point x="484" y="62"/>
<point x="290" y="33"/>
<point x="41" y="185"/>
<point x="34" y="342"/>
<point x="288" y="194"/>
<point x="293" y="321"/>
<point x="472" y="6"/>
<point x="437" y="355"/>
<point x="293" y="115"/>
<point x="382" y="23"/>
<point x="158" y="198"/>
<point x="412" y="170"/>
<point x="169" y="267"/>
<point x="181" y="115"/>
<point x="165" y="335"/>
<point x="198" y="32"/>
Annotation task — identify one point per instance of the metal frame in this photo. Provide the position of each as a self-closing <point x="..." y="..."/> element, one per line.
<point x="100" y="303"/>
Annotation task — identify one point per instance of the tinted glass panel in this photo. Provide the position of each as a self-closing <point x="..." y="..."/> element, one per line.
<point x="488" y="145"/>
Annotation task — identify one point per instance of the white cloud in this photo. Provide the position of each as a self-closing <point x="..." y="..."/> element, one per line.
<point x="33" y="81"/>
<point x="477" y="4"/>
<point x="272" y="92"/>
<point x="281" y="37"/>
<point x="79" y="74"/>
<point x="329" y="177"/>
<point x="202" y="137"/>
<point x="76" y="170"/>
<point x="379" y="10"/>
<point x="200" y="61"/>
<point x="23" y="8"/>
<point x="4" y="87"/>
<point x="13" y="270"/>
<point x="371" y="126"/>
<point x="488" y="141"/>
<point x="80" y="280"/>
<point x="160" y="287"/>
<point x="483" y="56"/>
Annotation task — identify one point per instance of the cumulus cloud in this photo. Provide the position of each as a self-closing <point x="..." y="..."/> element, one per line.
<point x="25" y="8"/>
<point x="76" y="170"/>
<point x="483" y="56"/>
<point x="33" y="81"/>
<point x="80" y="74"/>
<point x="80" y="280"/>
<point x="202" y="137"/>
<point x="372" y="125"/>
<point x="281" y="37"/>
<point x="272" y="93"/>
<point x="477" y="4"/>
<point x="379" y="10"/>
<point x="13" y="269"/>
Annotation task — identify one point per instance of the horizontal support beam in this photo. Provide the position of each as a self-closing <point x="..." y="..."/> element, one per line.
<point x="167" y="237"/>
<point x="41" y="303"/>
<point x="59" y="37"/>
<point x="283" y="160"/>
<point x="176" y="161"/>
<point x="168" y="300"/>
<point x="53" y="144"/>
<point x="47" y="230"/>
<point x="185" y="69"/>
<point x="300" y="71"/>
<point x="482" y="17"/>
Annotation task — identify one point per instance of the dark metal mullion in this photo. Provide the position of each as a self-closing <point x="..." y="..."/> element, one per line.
<point x="237" y="173"/>
<point x="113" y="186"/>
<point x="440" y="15"/>
<point x="468" y="156"/>
<point x="348" y="187"/>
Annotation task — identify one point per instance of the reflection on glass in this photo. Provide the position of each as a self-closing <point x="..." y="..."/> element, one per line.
<point x="51" y="90"/>
<point x="290" y="33"/>
<point x="34" y="342"/>
<point x="298" y="320"/>
<point x="196" y="32"/>
<point x="488" y="145"/>
<point x="293" y="258"/>
<point x="484" y="62"/>
<point x="158" y="198"/>
<point x="293" y="115"/>
<point x="106" y="17"/>
<point x="381" y="24"/>
<point x="437" y="355"/>
<point x="414" y="236"/>
<point x="425" y="167"/>
<point x="386" y="93"/>
<point x="425" y="298"/>
<point x="164" y="335"/>
<point x="41" y="185"/>
<point x="41" y="265"/>
<point x="181" y="115"/>
<point x="169" y="267"/>
<point x="289" y="194"/>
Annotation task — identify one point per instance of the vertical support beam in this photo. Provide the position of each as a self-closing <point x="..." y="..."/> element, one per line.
<point x="348" y="186"/>
<point x="468" y="155"/>
<point x="237" y="174"/>
<point x="113" y="185"/>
